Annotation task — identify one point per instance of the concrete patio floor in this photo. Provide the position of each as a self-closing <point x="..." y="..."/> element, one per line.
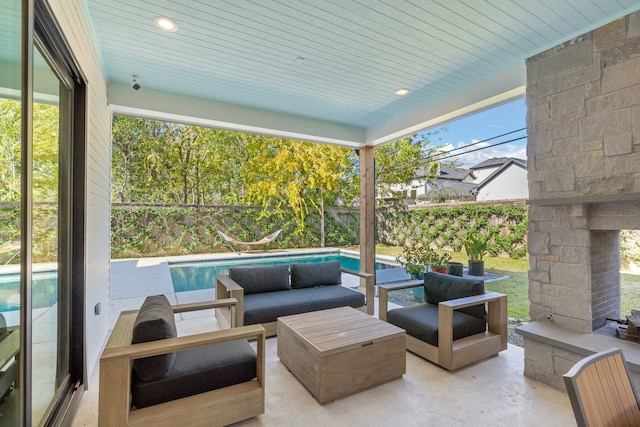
<point x="493" y="392"/>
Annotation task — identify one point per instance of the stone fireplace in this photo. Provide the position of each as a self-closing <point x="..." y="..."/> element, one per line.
<point x="583" y="122"/>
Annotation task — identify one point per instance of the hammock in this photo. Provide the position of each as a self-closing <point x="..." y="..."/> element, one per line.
<point x="8" y="248"/>
<point x="267" y="239"/>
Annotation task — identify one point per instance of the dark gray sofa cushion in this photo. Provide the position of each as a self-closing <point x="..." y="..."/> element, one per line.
<point x="267" y="307"/>
<point x="155" y="321"/>
<point x="315" y="274"/>
<point x="196" y="371"/>
<point x="421" y="321"/>
<point x="440" y="287"/>
<point x="261" y="279"/>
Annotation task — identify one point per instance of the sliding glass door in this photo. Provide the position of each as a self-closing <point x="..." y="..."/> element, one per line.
<point x="49" y="289"/>
<point x="10" y="210"/>
<point x="41" y="219"/>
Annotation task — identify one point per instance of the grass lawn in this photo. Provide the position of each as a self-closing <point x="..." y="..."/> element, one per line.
<point x="516" y="284"/>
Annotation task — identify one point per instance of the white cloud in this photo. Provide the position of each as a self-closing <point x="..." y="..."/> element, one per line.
<point x="446" y="147"/>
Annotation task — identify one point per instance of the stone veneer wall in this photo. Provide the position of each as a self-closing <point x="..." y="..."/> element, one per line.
<point x="583" y="121"/>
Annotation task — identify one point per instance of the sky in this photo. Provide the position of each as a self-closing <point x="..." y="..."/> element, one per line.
<point x="484" y="125"/>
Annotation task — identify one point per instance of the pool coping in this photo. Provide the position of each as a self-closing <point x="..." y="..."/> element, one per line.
<point x="220" y="256"/>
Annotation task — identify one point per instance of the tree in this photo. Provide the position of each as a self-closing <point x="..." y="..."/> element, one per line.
<point x="301" y="174"/>
<point x="161" y="162"/>
<point x="396" y="163"/>
<point x="129" y="139"/>
<point x="9" y="150"/>
<point x="45" y="151"/>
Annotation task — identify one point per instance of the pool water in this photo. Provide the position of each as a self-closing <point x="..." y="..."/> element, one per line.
<point x="199" y="275"/>
<point x="44" y="285"/>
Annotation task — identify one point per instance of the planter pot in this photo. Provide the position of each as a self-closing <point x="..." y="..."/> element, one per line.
<point x="455" y="269"/>
<point x="417" y="276"/>
<point x="476" y="268"/>
<point x="440" y="269"/>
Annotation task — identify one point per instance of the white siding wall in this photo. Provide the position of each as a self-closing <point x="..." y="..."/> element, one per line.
<point x="482" y="174"/>
<point x="510" y="184"/>
<point x="72" y="16"/>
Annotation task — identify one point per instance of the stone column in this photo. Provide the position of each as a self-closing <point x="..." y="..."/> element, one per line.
<point x="583" y="101"/>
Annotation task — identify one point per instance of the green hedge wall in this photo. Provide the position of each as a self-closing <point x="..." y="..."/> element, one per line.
<point x="445" y="227"/>
<point x="158" y="230"/>
<point x="145" y="230"/>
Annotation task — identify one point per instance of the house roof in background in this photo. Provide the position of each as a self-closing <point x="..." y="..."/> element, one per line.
<point x="447" y="172"/>
<point x="327" y="71"/>
<point x="499" y="161"/>
<point x="457" y="186"/>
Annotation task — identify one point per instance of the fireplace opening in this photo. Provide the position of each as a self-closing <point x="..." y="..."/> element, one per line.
<point x="615" y="262"/>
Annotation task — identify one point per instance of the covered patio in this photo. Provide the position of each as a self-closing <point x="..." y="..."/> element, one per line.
<point x="493" y="392"/>
<point x="359" y="75"/>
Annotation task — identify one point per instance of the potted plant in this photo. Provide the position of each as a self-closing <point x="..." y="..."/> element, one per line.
<point x="476" y="246"/>
<point x="416" y="260"/>
<point x="413" y="260"/>
<point x="439" y="263"/>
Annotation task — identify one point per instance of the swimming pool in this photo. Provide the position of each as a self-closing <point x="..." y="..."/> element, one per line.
<point x="44" y="285"/>
<point x="199" y="275"/>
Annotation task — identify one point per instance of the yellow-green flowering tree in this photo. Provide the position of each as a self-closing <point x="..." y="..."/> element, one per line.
<point x="300" y="174"/>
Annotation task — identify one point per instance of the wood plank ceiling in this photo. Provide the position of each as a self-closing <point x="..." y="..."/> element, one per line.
<point x="355" y="53"/>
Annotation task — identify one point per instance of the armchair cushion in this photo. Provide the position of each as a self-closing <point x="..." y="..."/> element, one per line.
<point x="421" y="321"/>
<point x="315" y="274"/>
<point x="198" y="370"/>
<point x="155" y="321"/>
<point x="261" y="279"/>
<point x="444" y="287"/>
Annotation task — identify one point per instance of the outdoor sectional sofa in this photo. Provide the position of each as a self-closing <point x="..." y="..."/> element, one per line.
<point x="265" y="293"/>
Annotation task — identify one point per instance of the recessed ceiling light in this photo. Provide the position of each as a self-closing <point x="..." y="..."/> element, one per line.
<point x="402" y="91"/>
<point x="165" y="24"/>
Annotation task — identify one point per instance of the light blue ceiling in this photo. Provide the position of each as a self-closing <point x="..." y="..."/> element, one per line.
<point x="241" y="53"/>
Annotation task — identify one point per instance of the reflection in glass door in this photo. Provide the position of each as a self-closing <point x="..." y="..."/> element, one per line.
<point x="10" y="197"/>
<point x="50" y="303"/>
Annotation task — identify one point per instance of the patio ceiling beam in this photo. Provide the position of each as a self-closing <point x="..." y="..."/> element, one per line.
<point x="147" y="103"/>
<point x="176" y="108"/>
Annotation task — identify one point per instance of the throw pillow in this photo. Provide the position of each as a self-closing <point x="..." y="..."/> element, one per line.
<point x="155" y="321"/>
<point x="315" y="274"/>
<point x="255" y="280"/>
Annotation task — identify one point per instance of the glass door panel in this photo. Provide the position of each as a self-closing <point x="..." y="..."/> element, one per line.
<point x="50" y="367"/>
<point x="36" y="207"/>
<point x="10" y="187"/>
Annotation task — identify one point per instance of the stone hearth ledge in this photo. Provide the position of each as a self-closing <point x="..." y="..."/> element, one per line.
<point x="582" y="343"/>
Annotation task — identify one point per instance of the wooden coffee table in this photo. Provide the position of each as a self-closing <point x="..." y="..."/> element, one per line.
<point x="340" y="351"/>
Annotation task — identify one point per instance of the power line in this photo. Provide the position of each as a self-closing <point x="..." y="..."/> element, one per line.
<point x="488" y="139"/>
<point x="428" y="159"/>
